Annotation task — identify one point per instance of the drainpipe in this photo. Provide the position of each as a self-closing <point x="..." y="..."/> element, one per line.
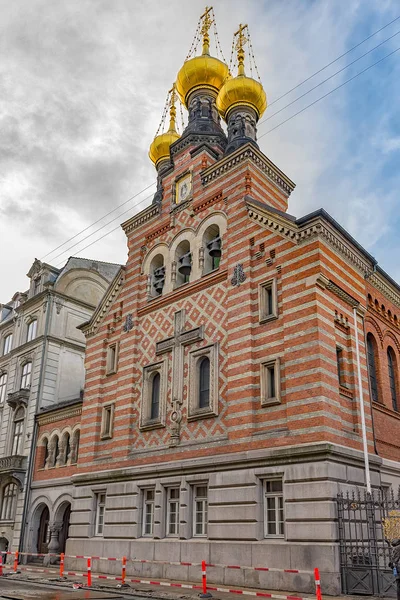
<point x="362" y="413"/>
<point x="32" y="454"/>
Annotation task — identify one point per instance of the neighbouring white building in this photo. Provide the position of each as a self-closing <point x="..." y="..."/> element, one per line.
<point x="41" y="365"/>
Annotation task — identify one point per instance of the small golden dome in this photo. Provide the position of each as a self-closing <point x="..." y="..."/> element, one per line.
<point x="239" y="91"/>
<point x="203" y="71"/>
<point x="159" y="149"/>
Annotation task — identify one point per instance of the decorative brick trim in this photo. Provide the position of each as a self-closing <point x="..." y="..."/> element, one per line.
<point x="145" y="215"/>
<point x="201" y="205"/>
<point x="183" y="291"/>
<point x="387" y="411"/>
<point x="61" y="415"/>
<point x="158" y="231"/>
<point x="385" y="289"/>
<point x="249" y="152"/>
<point x="91" y="326"/>
<point x="343" y="391"/>
<point x="335" y="289"/>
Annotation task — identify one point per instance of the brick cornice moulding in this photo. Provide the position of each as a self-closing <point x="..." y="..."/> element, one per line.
<point x="62" y="413"/>
<point x="384" y="288"/>
<point x="91" y="326"/>
<point x="143" y="217"/>
<point x="249" y="153"/>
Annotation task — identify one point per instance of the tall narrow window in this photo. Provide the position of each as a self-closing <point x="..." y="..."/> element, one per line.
<point x="372" y="367"/>
<point x="204" y="382"/>
<point x="273" y="508"/>
<point x="18" y="431"/>
<point x="155" y="397"/>
<point x="32" y="330"/>
<point x="107" y="421"/>
<point x="173" y="511"/>
<point x="148" y="511"/>
<point x="7" y="344"/>
<point x="26" y="376"/>
<point x="112" y="359"/>
<point x="8" y="502"/>
<point x="200" y="510"/>
<point x="392" y="376"/>
<point x="3" y="387"/>
<point x="339" y="361"/>
<point x="100" y="510"/>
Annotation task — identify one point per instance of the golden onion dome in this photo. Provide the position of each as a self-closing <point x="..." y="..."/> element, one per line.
<point x="239" y="91"/>
<point x="160" y="146"/>
<point x="203" y="71"/>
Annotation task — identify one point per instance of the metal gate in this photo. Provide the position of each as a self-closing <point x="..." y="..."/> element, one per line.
<point x="365" y="553"/>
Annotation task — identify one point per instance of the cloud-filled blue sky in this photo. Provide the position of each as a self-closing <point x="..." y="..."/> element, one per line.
<point x="82" y="88"/>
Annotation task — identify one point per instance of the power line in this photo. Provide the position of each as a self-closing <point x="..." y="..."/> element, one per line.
<point x="98" y="221"/>
<point x="335" y="60"/>
<point x="328" y="93"/>
<point x="327" y="79"/>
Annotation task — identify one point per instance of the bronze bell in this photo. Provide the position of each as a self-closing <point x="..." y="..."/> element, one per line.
<point x="158" y="285"/>
<point x="214" y="247"/>
<point x="159" y="273"/>
<point x="159" y="279"/>
<point x="185" y="266"/>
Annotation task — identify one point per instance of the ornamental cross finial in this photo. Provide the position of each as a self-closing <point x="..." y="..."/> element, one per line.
<point x="207" y="22"/>
<point x="240" y="43"/>
<point x="172" y="109"/>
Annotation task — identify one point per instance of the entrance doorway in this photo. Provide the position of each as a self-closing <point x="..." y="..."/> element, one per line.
<point x="43" y="531"/>
<point x="65" y="528"/>
<point x="4" y="547"/>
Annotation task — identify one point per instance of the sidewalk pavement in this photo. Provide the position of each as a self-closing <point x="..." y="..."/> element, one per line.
<point x="166" y="589"/>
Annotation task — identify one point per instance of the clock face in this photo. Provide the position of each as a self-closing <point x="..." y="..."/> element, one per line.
<point x="183" y="188"/>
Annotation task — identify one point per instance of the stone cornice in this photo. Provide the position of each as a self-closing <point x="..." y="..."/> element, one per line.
<point x="143" y="217"/>
<point x="91" y="326"/>
<point x="385" y="288"/>
<point x="59" y="414"/>
<point x="335" y="289"/>
<point x="250" y="153"/>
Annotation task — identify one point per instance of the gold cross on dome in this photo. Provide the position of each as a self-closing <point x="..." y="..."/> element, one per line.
<point x="207" y="22"/>
<point x="242" y="39"/>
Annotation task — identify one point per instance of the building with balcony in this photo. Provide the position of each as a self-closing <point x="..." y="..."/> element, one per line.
<point x="41" y="366"/>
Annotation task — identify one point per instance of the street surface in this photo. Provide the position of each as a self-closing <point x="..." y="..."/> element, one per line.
<point x="19" y="590"/>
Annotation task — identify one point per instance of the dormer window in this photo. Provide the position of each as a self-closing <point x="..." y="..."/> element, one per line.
<point x="36" y="285"/>
<point x="184" y="263"/>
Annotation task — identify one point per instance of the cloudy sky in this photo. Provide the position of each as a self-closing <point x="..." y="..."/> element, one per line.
<point x="82" y="89"/>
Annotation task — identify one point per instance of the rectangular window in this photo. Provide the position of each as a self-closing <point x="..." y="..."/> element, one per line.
<point x="32" y="330"/>
<point x="268" y="302"/>
<point x="7" y="344"/>
<point x="3" y="387"/>
<point x="200" y="510"/>
<point x="148" y="512"/>
<point x="100" y="511"/>
<point x="26" y="376"/>
<point x="270" y="382"/>
<point x="112" y="359"/>
<point x="273" y="508"/>
<point x="339" y="360"/>
<point x="17" y="438"/>
<point x="173" y="511"/>
<point x="107" y="421"/>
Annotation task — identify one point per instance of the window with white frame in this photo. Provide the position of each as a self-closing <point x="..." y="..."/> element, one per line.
<point x="270" y="382"/>
<point x="107" y="421"/>
<point x="154" y="396"/>
<point x="268" y="301"/>
<point x="148" y="511"/>
<point x="100" y="511"/>
<point x="112" y="359"/>
<point x="203" y="382"/>
<point x="274" y="519"/>
<point x="26" y="376"/>
<point x="200" y="510"/>
<point x="3" y="387"/>
<point x="173" y="511"/>
<point x="7" y="346"/>
<point x="18" y="431"/>
<point x="32" y="330"/>
<point x="8" y="500"/>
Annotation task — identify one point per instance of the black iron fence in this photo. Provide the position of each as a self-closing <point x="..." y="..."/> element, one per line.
<point x="367" y="524"/>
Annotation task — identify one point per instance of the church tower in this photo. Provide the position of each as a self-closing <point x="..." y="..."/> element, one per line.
<point x="214" y="426"/>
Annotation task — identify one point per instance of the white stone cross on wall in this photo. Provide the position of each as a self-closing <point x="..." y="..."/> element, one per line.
<point x="176" y="344"/>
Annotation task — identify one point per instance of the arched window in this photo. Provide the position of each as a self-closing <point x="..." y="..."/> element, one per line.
<point x="67" y="450"/>
<point x="75" y="447"/>
<point x="8" y="502"/>
<point x="26" y="376"/>
<point x="212" y="248"/>
<point x="3" y="387"/>
<point x="18" y="430"/>
<point x="32" y="330"/>
<point x="183" y="259"/>
<point x="371" y="352"/>
<point x="157" y="276"/>
<point x="392" y="376"/>
<point x="204" y="382"/>
<point x="7" y="344"/>
<point x="155" y="397"/>
<point x="56" y="450"/>
<point x="45" y="453"/>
